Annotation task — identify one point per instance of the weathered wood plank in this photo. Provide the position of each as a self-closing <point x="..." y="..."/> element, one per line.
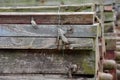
<point x="47" y="31"/>
<point x="47" y="18"/>
<point x="41" y="43"/>
<point x="63" y="8"/>
<point x="15" y="3"/>
<point x="41" y="77"/>
<point x="46" y="61"/>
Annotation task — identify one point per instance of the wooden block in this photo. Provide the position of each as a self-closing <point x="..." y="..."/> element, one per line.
<point x="47" y="31"/>
<point x="108" y="27"/>
<point x="44" y="2"/>
<point x="108" y="16"/>
<point x="63" y="8"/>
<point x="46" y="61"/>
<point x="47" y="18"/>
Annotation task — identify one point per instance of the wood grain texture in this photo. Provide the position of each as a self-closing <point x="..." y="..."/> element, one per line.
<point x="43" y="2"/>
<point x="46" y="61"/>
<point x="45" y="18"/>
<point x="41" y="43"/>
<point x="47" y="31"/>
<point x="63" y="8"/>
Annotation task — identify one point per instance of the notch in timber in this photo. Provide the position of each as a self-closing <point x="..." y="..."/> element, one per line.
<point x="47" y="18"/>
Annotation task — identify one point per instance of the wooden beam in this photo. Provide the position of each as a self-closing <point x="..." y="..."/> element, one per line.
<point x="47" y="31"/>
<point x="44" y="2"/>
<point x="43" y="43"/>
<point x="40" y="76"/>
<point x="47" y="18"/>
<point x="46" y="61"/>
<point x="63" y="8"/>
<point x="43" y="7"/>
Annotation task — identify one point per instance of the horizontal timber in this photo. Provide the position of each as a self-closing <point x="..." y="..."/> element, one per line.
<point x="47" y="18"/>
<point x="47" y="31"/>
<point x="43" y="43"/>
<point x="46" y="61"/>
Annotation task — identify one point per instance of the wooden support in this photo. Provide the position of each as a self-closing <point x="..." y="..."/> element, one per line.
<point x="46" y="61"/>
<point x="63" y="8"/>
<point x="39" y="76"/>
<point x="47" y="31"/>
<point x="47" y="18"/>
<point x="44" y="2"/>
<point x="42" y="43"/>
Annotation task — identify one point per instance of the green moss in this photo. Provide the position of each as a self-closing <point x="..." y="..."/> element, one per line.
<point x="87" y="68"/>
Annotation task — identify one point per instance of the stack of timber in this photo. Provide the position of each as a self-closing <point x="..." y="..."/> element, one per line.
<point x="55" y="42"/>
<point x="61" y="46"/>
